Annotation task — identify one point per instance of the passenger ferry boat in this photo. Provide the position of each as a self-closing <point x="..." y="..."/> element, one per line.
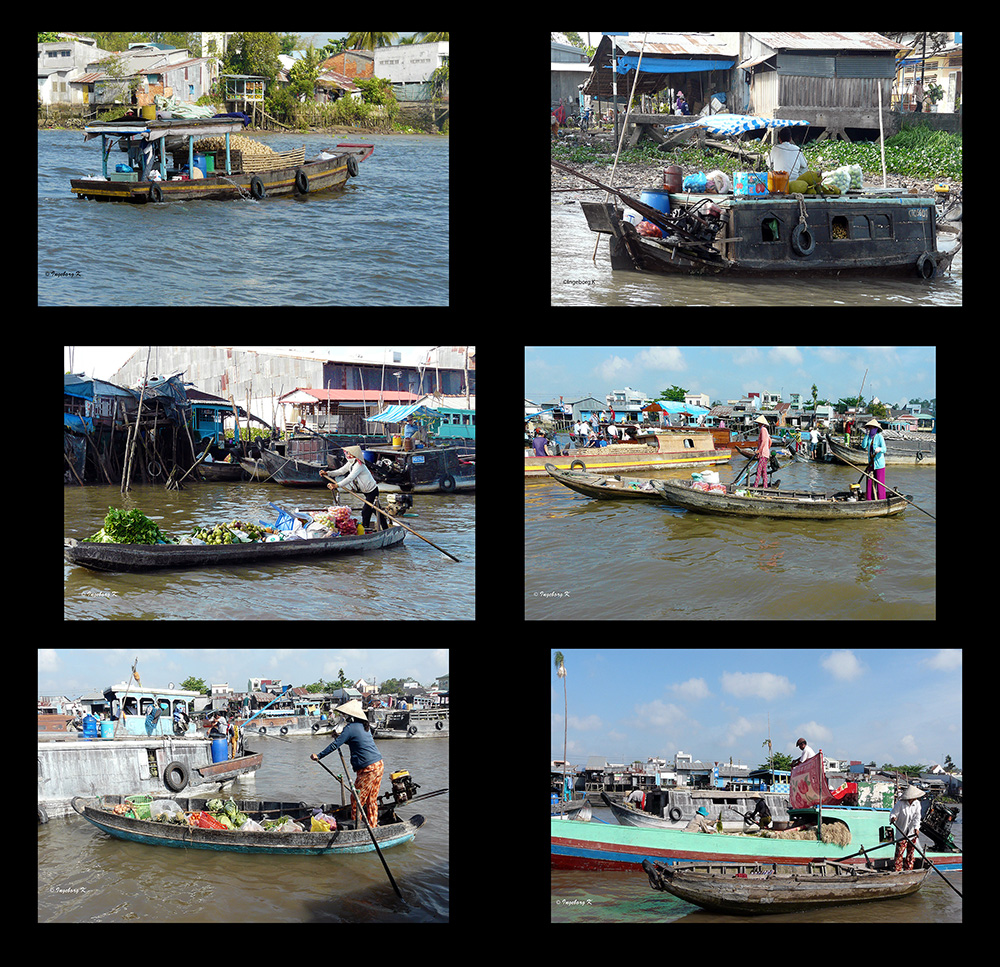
<point x="668" y="448"/>
<point x="151" y="178"/>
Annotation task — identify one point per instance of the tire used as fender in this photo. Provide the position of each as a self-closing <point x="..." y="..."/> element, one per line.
<point x="803" y="242"/>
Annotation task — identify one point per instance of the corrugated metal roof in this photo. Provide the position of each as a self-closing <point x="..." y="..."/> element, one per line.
<point x="862" y="40"/>
<point x="676" y="44"/>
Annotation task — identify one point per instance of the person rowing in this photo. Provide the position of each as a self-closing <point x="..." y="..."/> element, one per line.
<point x="874" y="443"/>
<point x="763" y="452"/>
<point x="366" y="760"/>
<point x="358" y="477"/>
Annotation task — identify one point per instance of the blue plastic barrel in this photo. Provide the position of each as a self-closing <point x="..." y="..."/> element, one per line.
<point x="220" y="750"/>
<point x="89" y="727"/>
<point x="658" y="198"/>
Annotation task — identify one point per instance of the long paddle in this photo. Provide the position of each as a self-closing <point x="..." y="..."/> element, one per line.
<point x="927" y="862"/>
<point x="650" y="214"/>
<point x="395" y="520"/>
<point x="364" y="818"/>
<point x="891" y="491"/>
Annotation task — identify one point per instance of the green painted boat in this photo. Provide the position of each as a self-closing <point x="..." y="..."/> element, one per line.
<point x="602" y="846"/>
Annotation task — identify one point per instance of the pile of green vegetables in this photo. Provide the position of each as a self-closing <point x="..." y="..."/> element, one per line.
<point x="132" y="527"/>
<point x="226" y="813"/>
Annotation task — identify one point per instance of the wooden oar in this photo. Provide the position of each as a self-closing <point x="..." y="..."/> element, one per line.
<point x="891" y="491"/>
<point x="364" y="818"/>
<point x="650" y="214"/>
<point x="395" y="520"/>
<point x="743" y="471"/>
<point x="927" y="862"/>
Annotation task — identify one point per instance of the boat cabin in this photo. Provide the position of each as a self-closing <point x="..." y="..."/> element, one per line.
<point x="873" y="232"/>
<point x="135" y="135"/>
<point x="149" y="711"/>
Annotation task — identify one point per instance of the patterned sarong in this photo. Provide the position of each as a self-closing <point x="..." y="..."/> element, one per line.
<point x="903" y="846"/>
<point x="367" y="782"/>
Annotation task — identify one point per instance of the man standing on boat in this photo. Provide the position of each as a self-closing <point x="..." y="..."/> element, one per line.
<point x="874" y="443"/>
<point x="366" y="760"/>
<point x="905" y="818"/>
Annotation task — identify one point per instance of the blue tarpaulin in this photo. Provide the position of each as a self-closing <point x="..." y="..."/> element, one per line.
<point x="734" y="124"/>
<point x="396" y="414"/>
<point x="652" y="66"/>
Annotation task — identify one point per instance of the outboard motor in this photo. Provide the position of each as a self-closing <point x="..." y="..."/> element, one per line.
<point x="937" y="825"/>
<point x="398" y="504"/>
<point x="403" y="787"/>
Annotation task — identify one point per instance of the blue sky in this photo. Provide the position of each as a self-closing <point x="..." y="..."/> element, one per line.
<point x="895" y="373"/>
<point x="898" y="706"/>
<point x="76" y="671"/>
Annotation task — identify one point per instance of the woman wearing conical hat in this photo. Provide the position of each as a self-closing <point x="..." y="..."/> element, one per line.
<point x="905" y="818"/>
<point x="366" y="760"/>
<point x="874" y="443"/>
<point x="355" y="475"/>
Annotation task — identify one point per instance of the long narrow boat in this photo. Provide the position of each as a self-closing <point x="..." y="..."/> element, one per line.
<point x="757" y="889"/>
<point x="899" y="453"/>
<point x="148" y="557"/>
<point x="349" y="837"/>
<point x="270" y="175"/>
<point x="605" y="488"/>
<point x="758" y="502"/>
<point x="602" y="846"/>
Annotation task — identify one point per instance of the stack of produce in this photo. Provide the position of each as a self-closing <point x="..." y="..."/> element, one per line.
<point x="226" y="813"/>
<point x="237" y="142"/>
<point x="133" y="527"/>
<point x="340" y="520"/>
<point x="235" y="532"/>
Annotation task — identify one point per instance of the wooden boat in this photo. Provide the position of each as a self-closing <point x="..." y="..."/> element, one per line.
<point x="349" y="837"/>
<point x="760" y="502"/>
<point x="907" y="453"/>
<point x="261" y="177"/>
<point x="603" y="846"/>
<point x="147" y="557"/>
<point x="887" y="234"/>
<point x="220" y="471"/>
<point x="666" y="448"/>
<point x="605" y="488"/>
<point x="753" y="889"/>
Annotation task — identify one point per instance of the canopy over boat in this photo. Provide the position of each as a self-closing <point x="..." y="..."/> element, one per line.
<point x="154" y="130"/>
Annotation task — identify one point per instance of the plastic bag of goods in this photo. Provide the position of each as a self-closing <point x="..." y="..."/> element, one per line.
<point x="856" y="182"/>
<point x="839" y="178"/>
<point x="649" y="230"/>
<point x="165" y="807"/>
